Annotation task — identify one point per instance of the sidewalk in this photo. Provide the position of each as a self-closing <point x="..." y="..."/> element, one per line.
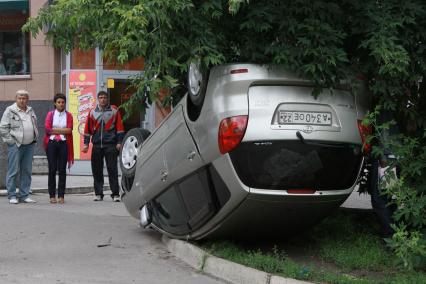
<point x="75" y="184"/>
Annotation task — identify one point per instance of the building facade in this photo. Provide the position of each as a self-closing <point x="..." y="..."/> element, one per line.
<point x="33" y="64"/>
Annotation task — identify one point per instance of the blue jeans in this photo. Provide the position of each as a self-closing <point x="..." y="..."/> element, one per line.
<point x="20" y="163"/>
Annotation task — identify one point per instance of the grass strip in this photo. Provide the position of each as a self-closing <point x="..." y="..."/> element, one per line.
<point x="344" y="248"/>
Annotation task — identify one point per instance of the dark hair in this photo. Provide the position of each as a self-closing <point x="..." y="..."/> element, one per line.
<point x="102" y="93"/>
<point x="59" y="96"/>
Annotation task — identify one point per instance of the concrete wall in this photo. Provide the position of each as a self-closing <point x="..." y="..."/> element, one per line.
<point x="45" y="77"/>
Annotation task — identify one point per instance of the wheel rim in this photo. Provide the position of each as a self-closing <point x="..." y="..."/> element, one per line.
<point x="195" y="78"/>
<point x="129" y="154"/>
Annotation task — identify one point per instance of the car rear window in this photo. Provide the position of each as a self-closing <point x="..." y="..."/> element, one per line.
<point x="291" y="164"/>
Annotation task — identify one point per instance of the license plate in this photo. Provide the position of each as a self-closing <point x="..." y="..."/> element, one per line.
<point x="304" y="117"/>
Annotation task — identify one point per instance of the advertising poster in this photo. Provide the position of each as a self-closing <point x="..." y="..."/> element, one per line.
<point x="82" y="98"/>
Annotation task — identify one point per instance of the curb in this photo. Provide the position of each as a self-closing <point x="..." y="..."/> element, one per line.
<point x="70" y="190"/>
<point x="221" y="268"/>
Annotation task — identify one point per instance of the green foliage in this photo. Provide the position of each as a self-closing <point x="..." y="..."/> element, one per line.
<point x="409" y="246"/>
<point x="381" y="41"/>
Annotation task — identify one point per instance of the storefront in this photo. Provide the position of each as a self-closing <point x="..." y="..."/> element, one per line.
<point x="33" y="64"/>
<point x="84" y="74"/>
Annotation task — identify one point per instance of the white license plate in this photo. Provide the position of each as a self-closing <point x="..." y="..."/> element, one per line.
<point x="304" y="117"/>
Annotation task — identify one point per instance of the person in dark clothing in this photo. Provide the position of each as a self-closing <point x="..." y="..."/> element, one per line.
<point x="382" y="206"/>
<point x="381" y="203"/>
<point x="105" y="128"/>
<point x="18" y="67"/>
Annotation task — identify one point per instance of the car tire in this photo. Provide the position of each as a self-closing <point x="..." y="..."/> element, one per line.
<point x="197" y="83"/>
<point x="128" y="155"/>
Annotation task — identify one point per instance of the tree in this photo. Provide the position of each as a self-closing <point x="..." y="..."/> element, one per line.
<point x="382" y="41"/>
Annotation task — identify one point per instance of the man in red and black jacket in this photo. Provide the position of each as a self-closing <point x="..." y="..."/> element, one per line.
<point x="105" y="127"/>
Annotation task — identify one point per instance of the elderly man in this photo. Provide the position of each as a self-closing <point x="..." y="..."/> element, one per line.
<point x="18" y="129"/>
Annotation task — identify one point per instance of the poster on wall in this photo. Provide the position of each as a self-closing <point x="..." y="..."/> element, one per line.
<point x="82" y="98"/>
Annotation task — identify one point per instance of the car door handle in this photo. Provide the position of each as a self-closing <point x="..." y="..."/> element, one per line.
<point x="191" y="155"/>
<point x="164" y="175"/>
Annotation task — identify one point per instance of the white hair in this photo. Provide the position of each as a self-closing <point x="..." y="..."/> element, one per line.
<point x="22" y="93"/>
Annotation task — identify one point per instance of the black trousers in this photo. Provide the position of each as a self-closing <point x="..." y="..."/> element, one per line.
<point x="110" y="153"/>
<point x="57" y="153"/>
<point x="380" y="203"/>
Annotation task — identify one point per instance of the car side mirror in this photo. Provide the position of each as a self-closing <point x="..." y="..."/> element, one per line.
<point x="145" y="216"/>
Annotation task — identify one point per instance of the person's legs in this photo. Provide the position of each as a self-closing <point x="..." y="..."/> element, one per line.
<point x="26" y="168"/>
<point x="97" y="161"/>
<point x="52" y="160"/>
<point x="62" y="168"/>
<point x="12" y="170"/>
<point x="111" y="162"/>
<point x="379" y="203"/>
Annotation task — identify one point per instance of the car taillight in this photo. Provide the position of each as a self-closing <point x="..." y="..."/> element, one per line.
<point x="301" y="191"/>
<point x="239" y="71"/>
<point x="231" y="132"/>
<point x="364" y="131"/>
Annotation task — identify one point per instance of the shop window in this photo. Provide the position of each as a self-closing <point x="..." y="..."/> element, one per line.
<point x="83" y="59"/>
<point x="14" y="44"/>
<point x="136" y="64"/>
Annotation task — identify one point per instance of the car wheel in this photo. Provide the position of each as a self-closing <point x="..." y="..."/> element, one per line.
<point x="197" y="83"/>
<point x="129" y="154"/>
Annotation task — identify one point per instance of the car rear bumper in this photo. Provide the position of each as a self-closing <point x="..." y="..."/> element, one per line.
<point x="251" y="211"/>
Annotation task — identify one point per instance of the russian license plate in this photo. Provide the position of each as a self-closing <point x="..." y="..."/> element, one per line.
<point x="304" y="117"/>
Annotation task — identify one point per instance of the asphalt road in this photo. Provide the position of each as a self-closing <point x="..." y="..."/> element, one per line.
<point x="83" y="242"/>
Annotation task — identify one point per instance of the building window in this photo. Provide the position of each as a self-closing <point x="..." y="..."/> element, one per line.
<point x="14" y="44"/>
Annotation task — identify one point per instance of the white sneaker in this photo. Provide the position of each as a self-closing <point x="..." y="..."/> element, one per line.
<point x="98" y="198"/>
<point x="116" y="198"/>
<point x="29" y="200"/>
<point x="13" y="201"/>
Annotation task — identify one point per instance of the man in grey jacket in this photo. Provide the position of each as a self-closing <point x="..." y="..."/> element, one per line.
<point x="18" y="129"/>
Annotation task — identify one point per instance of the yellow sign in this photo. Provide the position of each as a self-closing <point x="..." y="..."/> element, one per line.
<point x="110" y="83"/>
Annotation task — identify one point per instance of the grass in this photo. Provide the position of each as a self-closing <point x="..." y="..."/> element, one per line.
<point x="349" y="240"/>
<point x="344" y="248"/>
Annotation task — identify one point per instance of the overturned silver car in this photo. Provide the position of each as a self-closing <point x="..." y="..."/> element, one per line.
<point x="249" y="151"/>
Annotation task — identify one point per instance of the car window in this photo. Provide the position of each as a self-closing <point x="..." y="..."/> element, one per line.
<point x="188" y="204"/>
<point x="285" y="165"/>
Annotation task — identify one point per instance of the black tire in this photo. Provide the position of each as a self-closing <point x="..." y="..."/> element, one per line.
<point x="133" y="139"/>
<point x="197" y="83"/>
